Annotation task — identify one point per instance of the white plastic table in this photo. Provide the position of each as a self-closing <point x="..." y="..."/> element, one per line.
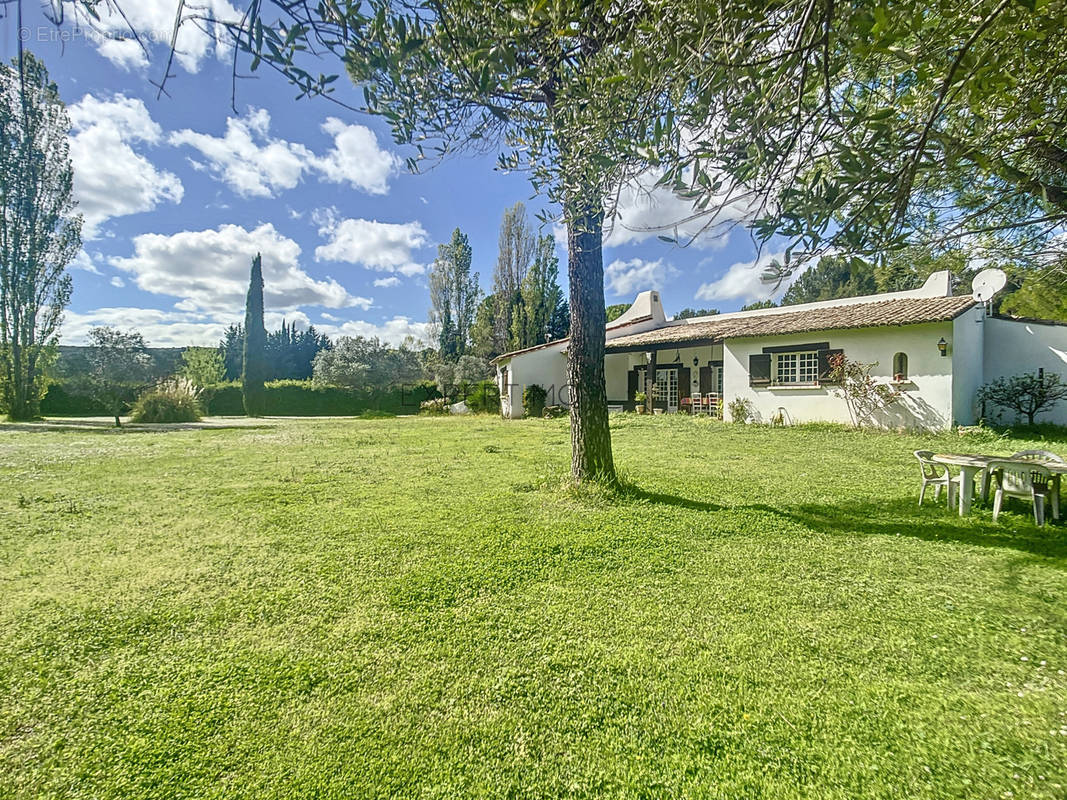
<point x="971" y="465"/>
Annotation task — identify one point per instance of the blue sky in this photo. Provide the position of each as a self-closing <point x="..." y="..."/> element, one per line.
<point x="178" y="192"/>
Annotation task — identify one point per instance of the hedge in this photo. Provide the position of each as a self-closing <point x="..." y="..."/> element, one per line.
<point x="284" y="399"/>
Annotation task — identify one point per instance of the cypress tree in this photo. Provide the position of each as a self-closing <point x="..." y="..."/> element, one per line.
<point x="255" y="364"/>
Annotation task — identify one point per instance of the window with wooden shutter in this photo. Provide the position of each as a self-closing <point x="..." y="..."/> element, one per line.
<point x="825" y="367"/>
<point x="759" y="369"/>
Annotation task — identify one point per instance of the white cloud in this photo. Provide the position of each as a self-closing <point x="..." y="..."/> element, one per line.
<point x="643" y="211"/>
<point x="209" y="269"/>
<point x="387" y="282"/>
<point x="160" y="328"/>
<point x="84" y="262"/>
<point x="636" y="275"/>
<point x="356" y="158"/>
<point x="393" y="331"/>
<point x="110" y="178"/>
<point x="246" y="159"/>
<point x="254" y="164"/>
<point x="117" y="282"/>
<point x="382" y="246"/>
<point x="742" y="281"/>
<point x="153" y="20"/>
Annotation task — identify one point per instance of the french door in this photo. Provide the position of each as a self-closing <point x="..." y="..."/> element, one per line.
<point x="667" y="388"/>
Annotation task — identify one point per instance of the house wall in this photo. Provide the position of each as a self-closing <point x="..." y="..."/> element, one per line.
<point x="967" y="349"/>
<point x="926" y="401"/>
<point x="546" y="366"/>
<point x="1013" y="347"/>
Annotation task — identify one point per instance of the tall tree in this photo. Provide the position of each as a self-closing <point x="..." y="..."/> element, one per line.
<point x="119" y="366"/>
<point x="483" y="331"/>
<point x="39" y="231"/>
<point x="453" y="296"/>
<point x="689" y="313"/>
<point x="832" y="278"/>
<point x="866" y="127"/>
<point x="232" y="349"/>
<point x="571" y="91"/>
<point x="516" y="252"/>
<point x="254" y="370"/>
<point x="541" y="298"/>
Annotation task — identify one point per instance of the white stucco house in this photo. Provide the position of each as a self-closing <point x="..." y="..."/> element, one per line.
<point x="937" y="349"/>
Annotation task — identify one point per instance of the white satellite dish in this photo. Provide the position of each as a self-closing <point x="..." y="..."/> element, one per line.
<point x="987" y="283"/>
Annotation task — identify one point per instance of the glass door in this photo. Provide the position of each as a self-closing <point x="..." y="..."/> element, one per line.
<point x="667" y="388"/>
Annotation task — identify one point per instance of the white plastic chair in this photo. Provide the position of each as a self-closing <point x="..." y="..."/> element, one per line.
<point x="938" y="475"/>
<point x="1033" y="483"/>
<point x="1046" y="455"/>
<point x="696" y="403"/>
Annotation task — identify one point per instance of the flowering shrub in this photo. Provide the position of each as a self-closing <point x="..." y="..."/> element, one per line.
<point x="864" y="396"/>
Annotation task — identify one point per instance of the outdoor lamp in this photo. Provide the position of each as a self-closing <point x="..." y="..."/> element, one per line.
<point x="696" y="360"/>
<point x="942" y="346"/>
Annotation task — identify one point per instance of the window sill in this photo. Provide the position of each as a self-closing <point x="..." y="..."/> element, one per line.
<point x="905" y="384"/>
<point x="791" y="387"/>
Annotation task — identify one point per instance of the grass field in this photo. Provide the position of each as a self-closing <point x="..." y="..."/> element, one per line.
<point x="422" y="608"/>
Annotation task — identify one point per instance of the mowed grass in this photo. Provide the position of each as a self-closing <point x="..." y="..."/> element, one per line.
<point x="423" y="608"/>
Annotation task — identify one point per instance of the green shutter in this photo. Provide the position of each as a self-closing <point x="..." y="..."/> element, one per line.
<point x="759" y="369"/>
<point x="631" y="384"/>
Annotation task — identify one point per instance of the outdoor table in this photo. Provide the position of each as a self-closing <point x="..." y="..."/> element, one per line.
<point x="970" y="465"/>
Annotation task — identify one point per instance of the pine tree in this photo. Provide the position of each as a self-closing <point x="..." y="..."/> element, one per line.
<point x="255" y="366"/>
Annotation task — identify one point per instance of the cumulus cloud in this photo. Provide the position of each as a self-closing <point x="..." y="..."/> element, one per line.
<point x="198" y="35"/>
<point x="382" y="246"/>
<point x="111" y="179"/>
<point x="356" y="158"/>
<point x="254" y="164"/>
<point x="160" y="328"/>
<point x="387" y="282"/>
<point x="742" y="281"/>
<point x="208" y="269"/>
<point x="246" y="159"/>
<point x="637" y="275"/>
<point x="642" y="210"/>
<point x="394" y="331"/>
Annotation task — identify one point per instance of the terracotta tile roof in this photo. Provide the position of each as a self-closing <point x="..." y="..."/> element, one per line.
<point x="884" y="313"/>
<point x="611" y="326"/>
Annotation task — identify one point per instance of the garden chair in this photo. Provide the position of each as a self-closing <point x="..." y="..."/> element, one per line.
<point x="1046" y="455"/>
<point x="1033" y="483"/>
<point x="938" y="475"/>
<point x="696" y="403"/>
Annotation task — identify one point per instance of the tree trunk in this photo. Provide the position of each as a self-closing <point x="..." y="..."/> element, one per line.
<point x="118" y="422"/>
<point x="590" y="437"/>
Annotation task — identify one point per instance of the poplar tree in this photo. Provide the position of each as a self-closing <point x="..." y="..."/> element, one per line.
<point x="39" y="232"/>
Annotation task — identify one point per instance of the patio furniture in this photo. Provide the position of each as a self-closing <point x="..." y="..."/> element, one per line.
<point x="696" y="402"/>
<point x="1016" y="478"/>
<point x="938" y="474"/>
<point x="1048" y="457"/>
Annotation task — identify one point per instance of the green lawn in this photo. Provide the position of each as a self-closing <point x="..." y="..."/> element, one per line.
<point x="420" y="607"/>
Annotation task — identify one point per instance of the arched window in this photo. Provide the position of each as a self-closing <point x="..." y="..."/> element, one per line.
<point x="900" y="367"/>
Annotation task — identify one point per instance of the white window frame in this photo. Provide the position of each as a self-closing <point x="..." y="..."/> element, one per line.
<point x="798" y="368"/>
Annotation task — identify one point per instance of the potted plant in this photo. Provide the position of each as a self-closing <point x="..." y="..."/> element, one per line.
<point x="639" y="400"/>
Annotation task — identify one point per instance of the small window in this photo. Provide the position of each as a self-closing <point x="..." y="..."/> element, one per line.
<point x="900" y="367"/>
<point x="796" y="368"/>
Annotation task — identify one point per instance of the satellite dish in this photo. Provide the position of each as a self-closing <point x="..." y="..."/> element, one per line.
<point x="987" y="283"/>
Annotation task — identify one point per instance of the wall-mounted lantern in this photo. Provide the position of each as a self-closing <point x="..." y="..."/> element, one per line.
<point x="942" y="346"/>
<point x="696" y="361"/>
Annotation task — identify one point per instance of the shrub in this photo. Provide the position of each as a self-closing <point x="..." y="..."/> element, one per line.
<point x="436" y="407"/>
<point x="1027" y="395"/>
<point x="304" y="398"/>
<point x="533" y="400"/>
<point x="172" y="401"/>
<point x="483" y="397"/>
<point x="740" y="409"/>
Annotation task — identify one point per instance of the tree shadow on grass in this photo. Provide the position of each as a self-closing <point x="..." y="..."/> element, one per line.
<point x="898" y="517"/>
<point x="1014" y="531"/>
<point x="107" y="426"/>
